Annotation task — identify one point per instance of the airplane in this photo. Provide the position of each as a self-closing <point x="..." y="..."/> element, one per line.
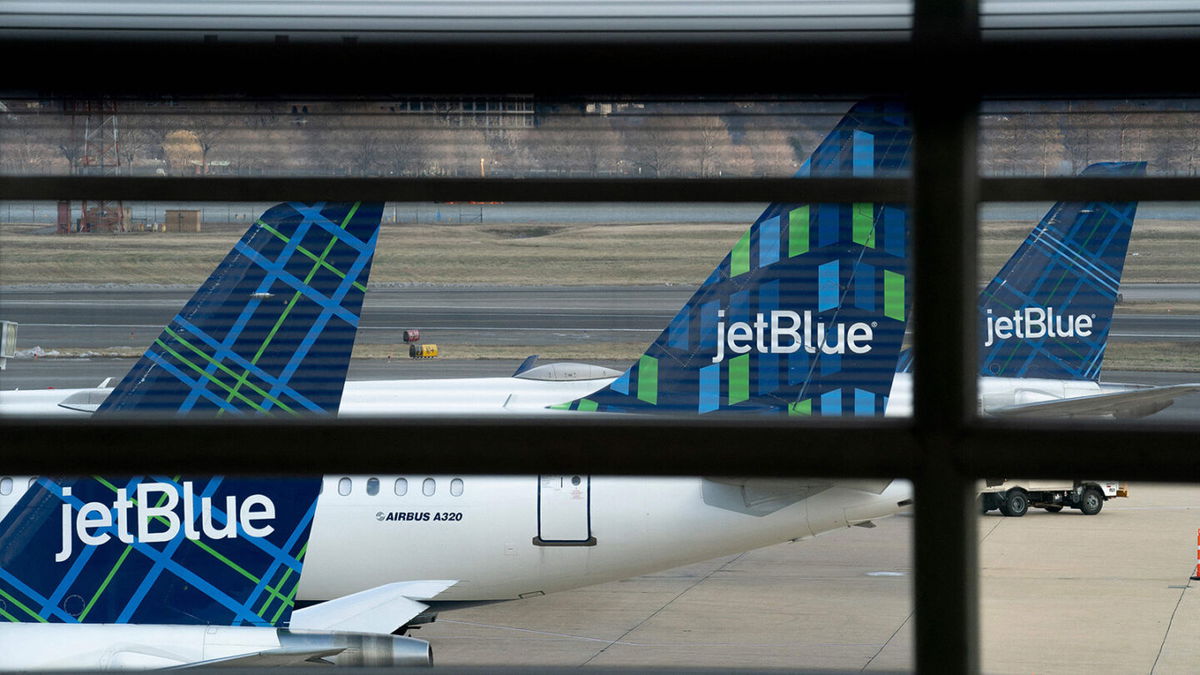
<point x="165" y="571"/>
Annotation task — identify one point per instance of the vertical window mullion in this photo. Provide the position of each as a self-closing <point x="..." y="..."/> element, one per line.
<point x="945" y="207"/>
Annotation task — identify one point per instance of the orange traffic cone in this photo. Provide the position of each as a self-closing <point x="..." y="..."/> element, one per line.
<point x="1196" y="576"/>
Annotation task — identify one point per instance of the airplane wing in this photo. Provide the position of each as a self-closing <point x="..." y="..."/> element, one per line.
<point x="381" y="610"/>
<point x="270" y="658"/>
<point x="1127" y="403"/>
<point x="763" y="496"/>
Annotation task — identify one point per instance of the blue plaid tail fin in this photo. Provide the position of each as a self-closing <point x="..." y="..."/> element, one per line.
<point x="207" y="550"/>
<point x="271" y="330"/>
<point x="1047" y="312"/>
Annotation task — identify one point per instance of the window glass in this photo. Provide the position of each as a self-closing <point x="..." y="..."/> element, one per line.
<point x="806" y="304"/>
<point x="1023" y="573"/>
<point x="401" y="487"/>
<point x="6" y="485"/>
<point x="344" y="486"/>
<point x="1065" y="137"/>
<point x="873" y="562"/>
<point x="1116" y="332"/>
<point x="456" y="487"/>
<point x="504" y="137"/>
<point x="428" y="487"/>
<point x="606" y="296"/>
<point x="372" y="486"/>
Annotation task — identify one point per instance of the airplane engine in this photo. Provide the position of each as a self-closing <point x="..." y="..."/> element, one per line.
<point x="361" y="649"/>
<point x="36" y="647"/>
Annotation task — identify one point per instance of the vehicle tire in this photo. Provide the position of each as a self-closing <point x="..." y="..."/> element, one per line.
<point x="1053" y="509"/>
<point x="1091" y="501"/>
<point x="1015" y="503"/>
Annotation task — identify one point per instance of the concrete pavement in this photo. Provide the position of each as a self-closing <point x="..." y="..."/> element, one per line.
<point x="1058" y="593"/>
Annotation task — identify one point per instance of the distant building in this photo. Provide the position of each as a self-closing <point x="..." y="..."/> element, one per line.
<point x="515" y="111"/>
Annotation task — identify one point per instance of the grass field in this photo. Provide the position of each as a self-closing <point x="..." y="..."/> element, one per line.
<point x="546" y="253"/>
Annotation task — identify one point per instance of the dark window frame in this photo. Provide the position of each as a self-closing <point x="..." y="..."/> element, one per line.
<point x="944" y="448"/>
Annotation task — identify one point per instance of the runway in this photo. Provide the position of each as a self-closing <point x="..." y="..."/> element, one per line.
<point x="58" y="318"/>
<point x="55" y="318"/>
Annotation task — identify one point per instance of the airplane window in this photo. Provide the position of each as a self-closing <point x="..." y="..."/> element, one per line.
<point x="344" y="486"/>
<point x="33" y="481"/>
<point x="372" y="486"/>
<point x="401" y="487"/>
<point x="429" y="487"/>
<point x="456" y="487"/>
<point x="575" y="480"/>
<point x="5" y="485"/>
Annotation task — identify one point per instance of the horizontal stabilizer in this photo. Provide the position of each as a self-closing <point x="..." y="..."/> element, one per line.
<point x="381" y="610"/>
<point x="87" y="400"/>
<point x="1130" y="403"/>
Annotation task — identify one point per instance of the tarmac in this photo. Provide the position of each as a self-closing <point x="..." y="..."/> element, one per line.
<point x="1058" y="593"/>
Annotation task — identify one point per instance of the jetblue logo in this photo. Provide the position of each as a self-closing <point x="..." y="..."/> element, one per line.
<point x="788" y="332"/>
<point x="154" y="518"/>
<point x="1036" y="322"/>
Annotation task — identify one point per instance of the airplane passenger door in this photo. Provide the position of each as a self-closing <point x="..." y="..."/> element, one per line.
<point x="564" y="511"/>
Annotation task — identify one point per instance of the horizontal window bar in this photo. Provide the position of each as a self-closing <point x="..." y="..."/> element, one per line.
<point x="581" y="189"/>
<point x="679" y="448"/>
<point x="462" y="445"/>
<point x="1058" y="448"/>
<point x="707" y="64"/>
<point x="458" y="189"/>
<point x="1075" y="188"/>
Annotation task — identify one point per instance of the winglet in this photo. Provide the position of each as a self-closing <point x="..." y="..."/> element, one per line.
<point x="526" y="364"/>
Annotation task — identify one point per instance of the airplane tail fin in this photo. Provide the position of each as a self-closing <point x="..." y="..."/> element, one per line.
<point x="1047" y="312"/>
<point x="806" y="314"/>
<point x="272" y="329"/>
<point x="207" y="550"/>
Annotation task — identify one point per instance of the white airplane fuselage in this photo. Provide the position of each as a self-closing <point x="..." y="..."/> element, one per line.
<point x="508" y="537"/>
<point x="490" y="533"/>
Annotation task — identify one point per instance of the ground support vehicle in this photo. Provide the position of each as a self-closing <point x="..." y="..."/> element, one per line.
<point x="1014" y="497"/>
